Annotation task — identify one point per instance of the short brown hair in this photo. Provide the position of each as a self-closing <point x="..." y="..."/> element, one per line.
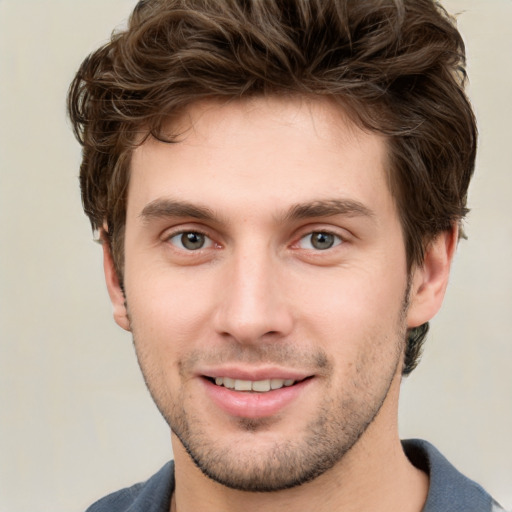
<point x="396" y="66"/>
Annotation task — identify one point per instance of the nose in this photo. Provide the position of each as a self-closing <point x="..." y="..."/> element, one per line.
<point x="252" y="304"/>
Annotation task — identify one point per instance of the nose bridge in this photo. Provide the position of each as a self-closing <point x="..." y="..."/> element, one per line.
<point x="253" y="302"/>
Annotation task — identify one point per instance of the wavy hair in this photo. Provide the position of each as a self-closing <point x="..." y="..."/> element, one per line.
<point x="396" y="66"/>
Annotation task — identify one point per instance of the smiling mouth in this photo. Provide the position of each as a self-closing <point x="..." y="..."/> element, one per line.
<point x="257" y="386"/>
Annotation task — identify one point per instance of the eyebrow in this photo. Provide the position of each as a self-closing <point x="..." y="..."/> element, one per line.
<point x="167" y="208"/>
<point x="164" y="208"/>
<point x="328" y="208"/>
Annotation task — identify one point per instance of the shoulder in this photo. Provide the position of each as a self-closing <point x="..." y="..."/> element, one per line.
<point x="449" y="489"/>
<point x="153" y="495"/>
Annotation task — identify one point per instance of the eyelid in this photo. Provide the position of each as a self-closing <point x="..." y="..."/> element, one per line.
<point x="343" y="234"/>
<point x="338" y="240"/>
<point x="178" y="231"/>
<point x="208" y="242"/>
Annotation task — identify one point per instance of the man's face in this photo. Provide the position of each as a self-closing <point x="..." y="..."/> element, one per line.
<point x="265" y="278"/>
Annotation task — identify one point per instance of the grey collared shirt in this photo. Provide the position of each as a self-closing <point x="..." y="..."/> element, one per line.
<point x="449" y="491"/>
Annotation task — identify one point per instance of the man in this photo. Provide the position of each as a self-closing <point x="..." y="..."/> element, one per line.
<point x="278" y="187"/>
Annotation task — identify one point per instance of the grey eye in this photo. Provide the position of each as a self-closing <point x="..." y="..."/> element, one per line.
<point x="319" y="240"/>
<point x="190" y="241"/>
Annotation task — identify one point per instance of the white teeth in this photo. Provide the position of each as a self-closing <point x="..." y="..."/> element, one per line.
<point x="276" y="383"/>
<point x="243" y="385"/>
<point x="260" y="386"/>
<point x="229" y="383"/>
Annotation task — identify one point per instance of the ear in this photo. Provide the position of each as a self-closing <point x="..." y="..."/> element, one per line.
<point x="429" y="280"/>
<point x="113" y="286"/>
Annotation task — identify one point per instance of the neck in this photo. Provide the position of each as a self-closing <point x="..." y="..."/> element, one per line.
<point x="374" y="475"/>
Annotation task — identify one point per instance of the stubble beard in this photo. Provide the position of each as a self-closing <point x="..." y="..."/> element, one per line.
<point x="282" y="465"/>
<point x="337" y="427"/>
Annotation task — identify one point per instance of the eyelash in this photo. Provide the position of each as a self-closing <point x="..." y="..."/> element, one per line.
<point x="336" y="240"/>
<point x="182" y="233"/>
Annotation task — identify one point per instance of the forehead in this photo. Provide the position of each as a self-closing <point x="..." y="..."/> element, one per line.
<point x="261" y="153"/>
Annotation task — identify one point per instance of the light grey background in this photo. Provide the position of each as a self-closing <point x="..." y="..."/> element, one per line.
<point x="75" y="419"/>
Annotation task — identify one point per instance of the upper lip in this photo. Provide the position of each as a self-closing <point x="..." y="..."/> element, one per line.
<point x="254" y="374"/>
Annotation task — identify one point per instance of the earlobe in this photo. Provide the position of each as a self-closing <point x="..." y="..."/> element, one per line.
<point x="115" y="291"/>
<point x="429" y="282"/>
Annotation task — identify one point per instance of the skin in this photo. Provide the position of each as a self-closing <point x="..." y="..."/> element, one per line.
<point x="252" y="181"/>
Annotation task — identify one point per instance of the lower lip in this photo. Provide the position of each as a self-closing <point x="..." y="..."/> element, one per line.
<point x="252" y="405"/>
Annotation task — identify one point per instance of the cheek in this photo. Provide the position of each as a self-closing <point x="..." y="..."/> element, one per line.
<point x="351" y="308"/>
<point x="169" y="309"/>
<point x="168" y="320"/>
<point x="353" y="292"/>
